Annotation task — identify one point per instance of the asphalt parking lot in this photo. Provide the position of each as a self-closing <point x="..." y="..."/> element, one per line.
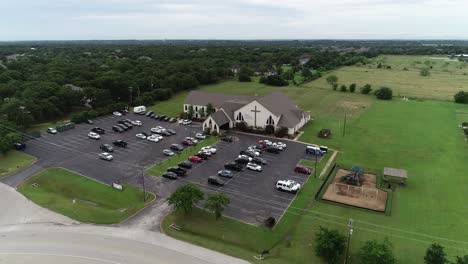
<point x="253" y="194"/>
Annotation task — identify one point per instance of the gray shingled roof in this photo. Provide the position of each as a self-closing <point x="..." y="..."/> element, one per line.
<point x="216" y="99"/>
<point x="399" y="173"/>
<point x="220" y="118"/>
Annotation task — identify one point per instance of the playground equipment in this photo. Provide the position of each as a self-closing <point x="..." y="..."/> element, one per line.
<point x="354" y="177"/>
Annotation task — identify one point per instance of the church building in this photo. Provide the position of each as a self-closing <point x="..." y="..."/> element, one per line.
<point x="274" y="109"/>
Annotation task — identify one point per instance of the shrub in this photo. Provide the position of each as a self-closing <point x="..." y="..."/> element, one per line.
<point x="384" y="93"/>
<point x="78" y="117"/>
<point x="366" y="89"/>
<point x="92" y="114"/>
<point x="330" y="245"/>
<point x="352" y="87"/>
<point x="274" y="80"/>
<point x="332" y="80"/>
<point x="270" y="222"/>
<point x="461" y="97"/>
<point x="281" y="132"/>
<point x="244" y="78"/>
<point x="425" y="72"/>
<point x="242" y="126"/>
<point x="335" y="86"/>
<point x="343" y="88"/>
<point x="269" y="129"/>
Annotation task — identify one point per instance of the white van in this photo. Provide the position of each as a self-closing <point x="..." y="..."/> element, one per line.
<point x="139" y="109"/>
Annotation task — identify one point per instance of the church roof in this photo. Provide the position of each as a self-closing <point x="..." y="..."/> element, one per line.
<point x="220" y="118"/>
<point x="216" y="99"/>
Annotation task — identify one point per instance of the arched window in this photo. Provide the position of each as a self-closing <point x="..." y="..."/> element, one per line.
<point x="210" y="122"/>
<point x="196" y="108"/>
<point x="240" y="117"/>
<point x="186" y="108"/>
<point x="270" y="121"/>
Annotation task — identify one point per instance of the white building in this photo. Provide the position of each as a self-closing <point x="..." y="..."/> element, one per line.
<point x="274" y="109"/>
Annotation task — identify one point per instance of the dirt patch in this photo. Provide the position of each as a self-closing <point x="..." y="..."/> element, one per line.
<point x="366" y="196"/>
<point x="350" y="105"/>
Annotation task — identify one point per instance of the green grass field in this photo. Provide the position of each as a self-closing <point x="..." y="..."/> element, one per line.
<point x="420" y="136"/>
<point x="160" y="168"/>
<point x="94" y="202"/>
<point x="13" y="162"/>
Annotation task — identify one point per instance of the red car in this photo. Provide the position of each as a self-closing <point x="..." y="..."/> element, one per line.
<point x="303" y="170"/>
<point x="195" y="159"/>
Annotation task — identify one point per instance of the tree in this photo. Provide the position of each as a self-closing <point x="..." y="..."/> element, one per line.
<point x="335" y="86"/>
<point x="366" y="89"/>
<point x="216" y="203"/>
<point x="274" y="80"/>
<point x="329" y="244"/>
<point x="332" y="79"/>
<point x="461" y="97"/>
<point x="184" y="198"/>
<point x="352" y="87"/>
<point x="202" y="113"/>
<point x="384" y="93"/>
<point x="435" y="255"/>
<point x="281" y="132"/>
<point x="209" y="109"/>
<point x="425" y="72"/>
<point x="376" y="252"/>
<point x="462" y="260"/>
<point x="191" y="111"/>
<point x="7" y="141"/>
<point x="306" y="73"/>
<point x="343" y="88"/>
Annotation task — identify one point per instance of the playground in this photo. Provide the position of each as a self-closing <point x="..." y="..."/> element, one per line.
<point x="357" y="188"/>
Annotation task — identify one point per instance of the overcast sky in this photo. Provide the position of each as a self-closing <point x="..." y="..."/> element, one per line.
<point x="233" y="19"/>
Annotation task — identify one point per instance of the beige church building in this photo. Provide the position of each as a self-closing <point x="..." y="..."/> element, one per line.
<point x="274" y="109"/>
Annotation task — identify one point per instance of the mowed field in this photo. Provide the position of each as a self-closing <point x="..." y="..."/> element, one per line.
<point x="420" y="136"/>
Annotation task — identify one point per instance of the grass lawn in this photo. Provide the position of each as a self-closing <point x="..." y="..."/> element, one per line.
<point x="13" y="162"/>
<point x="160" y="168"/>
<point x="95" y="202"/>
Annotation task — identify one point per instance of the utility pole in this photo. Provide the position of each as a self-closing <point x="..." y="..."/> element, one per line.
<point x="130" y="89"/>
<point x="315" y="169"/>
<point x="344" y="125"/>
<point x="350" y="232"/>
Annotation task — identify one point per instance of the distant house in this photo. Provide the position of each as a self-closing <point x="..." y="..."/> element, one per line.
<point x="305" y="58"/>
<point x="73" y="87"/>
<point x="274" y="109"/>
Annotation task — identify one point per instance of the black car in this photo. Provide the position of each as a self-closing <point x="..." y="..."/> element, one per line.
<point x="273" y="150"/>
<point x="166" y="119"/>
<point x="225" y="173"/>
<point x="152" y="115"/>
<point x="120" y="143"/>
<point x="128" y="124"/>
<point x="117" y="129"/>
<point x="106" y="148"/>
<point x="149" y="113"/>
<point x="98" y="130"/>
<point x="247" y="153"/>
<point x="202" y="155"/>
<point x="233" y="166"/>
<point x="122" y="126"/>
<point x="171" y="131"/>
<point x="172" y="120"/>
<point x="156" y="116"/>
<point x="242" y="161"/>
<point x="19" y="146"/>
<point x="165" y="133"/>
<point x="146" y="134"/>
<point x="170" y="175"/>
<point x="259" y="161"/>
<point x="227" y="138"/>
<point x="177" y="147"/>
<point x="214" y="180"/>
<point x="185" y="164"/>
<point x="161" y="117"/>
<point x="177" y="170"/>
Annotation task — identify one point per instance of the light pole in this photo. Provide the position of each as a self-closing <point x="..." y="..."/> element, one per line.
<point x="143" y="182"/>
<point x="350" y="232"/>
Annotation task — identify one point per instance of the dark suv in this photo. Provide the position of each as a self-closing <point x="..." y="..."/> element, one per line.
<point x="259" y="161"/>
<point x="120" y="143"/>
<point x="117" y="129"/>
<point x="122" y="126"/>
<point x="214" y="180"/>
<point x="242" y="161"/>
<point x="273" y="150"/>
<point x="233" y="166"/>
<point x="106" y="148"/>
<point x="177" y="147"/>
<point x="98" y="130"/>
<point x="177" y="170"/>
<point x="185" y="164"/>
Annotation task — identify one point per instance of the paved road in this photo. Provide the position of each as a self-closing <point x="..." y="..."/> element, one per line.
<point x="52" y="244"/>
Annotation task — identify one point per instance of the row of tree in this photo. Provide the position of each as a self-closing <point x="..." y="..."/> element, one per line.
<point x="383" y="93"/>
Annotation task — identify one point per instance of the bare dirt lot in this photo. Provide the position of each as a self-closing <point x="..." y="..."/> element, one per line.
<point x="366" y="196"/>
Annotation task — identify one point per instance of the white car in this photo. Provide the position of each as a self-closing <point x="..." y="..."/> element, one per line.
<point x="283" y="145"/>
<point x="254" y="152"/>
<point x="181" y="121"/>
<point x="254" y="167"/>
<point x="210" y="148"/>
<point x="187" y="122"/>
<point x="117" y="113"/>
<point x="140" y="135"/>
<point x="275" y="145"/>
<point x="288" y="186"/>
<point x="153" y="138"/>
<point x="206" y="152"/>
<point x="51" y="130"/>
<point x="106" y="156"/>
<point x="245" y="157"/>
<point x="137" y="123"/>
<point x="94" y="135"/>
<point x="200" y="136"/>
<point x="191" y="139"/>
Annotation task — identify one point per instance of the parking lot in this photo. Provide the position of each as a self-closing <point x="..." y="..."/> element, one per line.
<point x="253" y="194"/>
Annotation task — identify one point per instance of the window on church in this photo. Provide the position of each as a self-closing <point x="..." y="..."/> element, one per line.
<point x="240" y="117"/>
<point x="186" y="108"/>
<point x="196" y="108"/>
<point x="270" y="121"/>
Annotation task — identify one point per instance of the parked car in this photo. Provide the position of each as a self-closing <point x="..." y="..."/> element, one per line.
<point x="166" y="119"/>
<point x="272" y="150"/>
<point x="153" y="115"/>
<point x="172" y="120"/>
<point x="225" y="173"/>
<point x="314" y="150"/>
<point x="141" y="113"/>
<point x="259" y="161"/>
<point x="303" y="170"/>
<point x="153" y="138"/>
<point x="137" y="123"/>
<point x="192" y="139"/>
<point x="19" y="146"/>
<point x="106" y="156"/>
<point x="275" y="145"/>
<point x="186" y="122"/>
<point x="187" y="143"/>
<point x="140" y="136"/>
<point x="122" y="126"/>
<point x="324" y="149"/>
<point x="227" y="138"/>
<point x="210" y="149"/>
<point x="200" y="136"/>
<point x="171" y="131"/>
<point x="89" y="121"/>
<point x="149" y="113"/>
<point x="288" y="186"/>
<point x="165" y="133"/>
<point x="106" y="148"/>
<point x="116" y="113"/>
<point x="206" y="152"/>
<point x="177" y="170"/>
<point x="245" y="157"/>
<point x="254" y="167"/>
<point x="117" y="129"/>
<point x="185" y="164"/>
<point x="51" y="130"/>
<point x="128" y="124"/>
<point x="120" y="143"/>
<point x="195" y="159"/>
<point x="156" y="116"/>
<point x="170" y="175"/>
<point x="161" y="117"/>
<point x="168" y="152"/>
<point x="98" y="130"/>
<point x="177" y="147"/>
<point x="94" y="135"/>
<point x="233" y="166"/>
<point x="247" y="153"/>
<point x="202" y="155"/>
<point x="282" y="144"/>
<point x="214" y="180"/>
